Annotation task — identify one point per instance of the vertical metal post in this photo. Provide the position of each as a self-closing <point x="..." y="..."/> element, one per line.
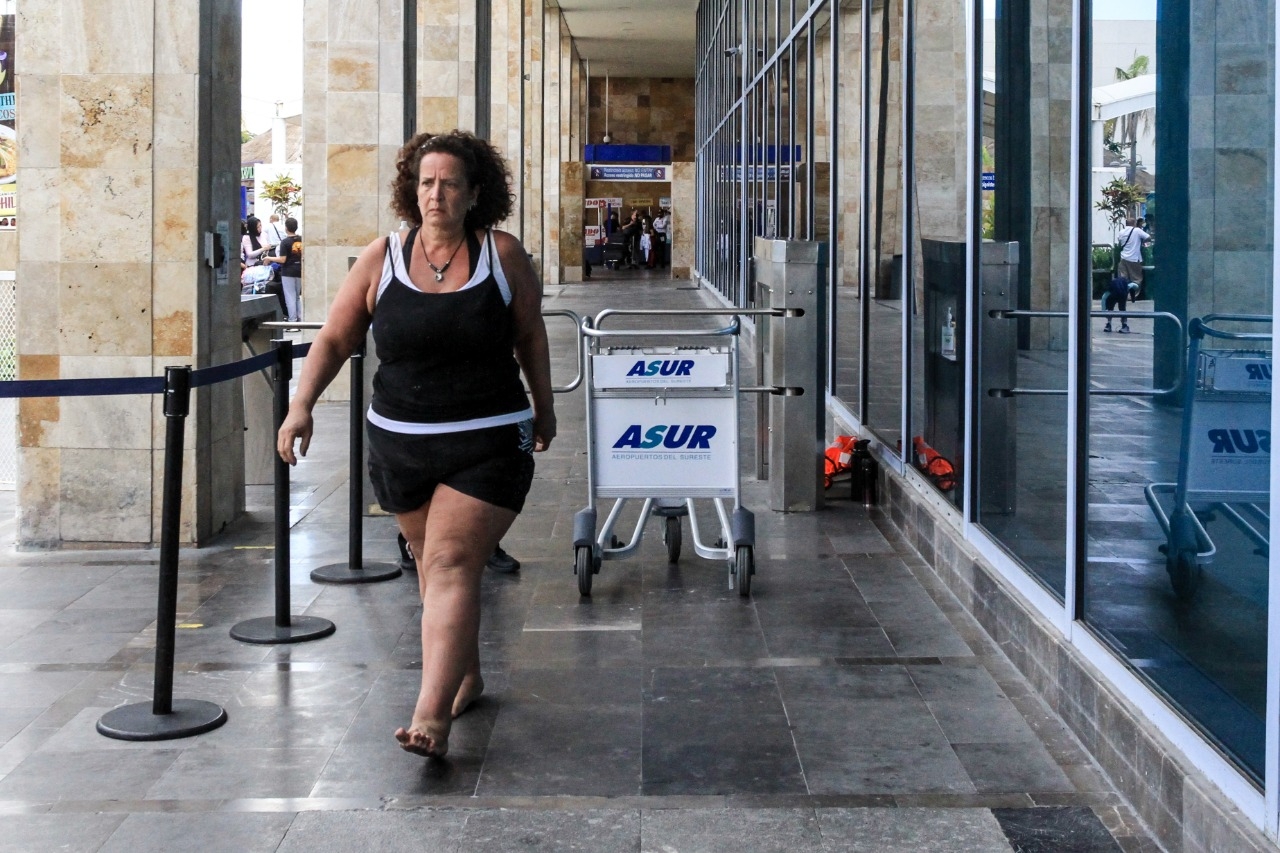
<point x="792" y="276"/>
<point x="282" y="627"/>
<point x="356" y="570"/>
<point x="165" y="719"/>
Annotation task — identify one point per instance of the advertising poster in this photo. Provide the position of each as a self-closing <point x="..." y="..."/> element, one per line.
<point x="8" y="121"/>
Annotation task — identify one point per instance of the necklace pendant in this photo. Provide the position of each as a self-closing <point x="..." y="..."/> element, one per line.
<point x="440" y="275"/>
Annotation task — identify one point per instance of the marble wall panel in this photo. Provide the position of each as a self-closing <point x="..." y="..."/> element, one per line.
<point x="173" y="304"/>
<point x="103" y="422"/>
<point x="683" y="209"/>
<point x="38" y="144"/>
<point x="315" y="20"/>
<point x="353" y="66"/>
<point x="39" y="472"/>
<point x="108" y="38"/>
<point x="173" y="217"/>
<point x="350" y="20"/>
<point x="438" y="78"/>
<point x="102" y="214"/>
<point x="105" y="495"/>
<point x="105" y="309"/>
<point x="106" y="121"/>
<point x="39" y="38"/>
<point x="352" y="169"/>
<point x="353" y="220"/>
<point x="180" y="53"/>
<point x="38" y="306"/>
<point x="352" y="118"/>
<point x="438" y="113"/>
<point x="176" y="101"/>
<point x="41" y="233"/>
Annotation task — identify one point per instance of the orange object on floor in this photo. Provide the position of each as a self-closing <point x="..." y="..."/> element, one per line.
<point x="932" y="463"/>
<point x="837" y="459"/>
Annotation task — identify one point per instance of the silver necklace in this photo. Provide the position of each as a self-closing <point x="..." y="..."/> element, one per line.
<point x="440" y="271"/>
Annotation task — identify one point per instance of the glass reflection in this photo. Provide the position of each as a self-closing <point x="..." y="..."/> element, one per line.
<point x="846" y="248"/>
<point x="1024" y="182"/>
<point x="939" y="187"/>
<point x="883" y="261"/>
<point x="1191" y="619"/>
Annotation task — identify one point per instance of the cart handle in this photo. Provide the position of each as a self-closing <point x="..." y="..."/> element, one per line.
<point x="1005" y="314"/>
<point x="1199" y="327"/>
<point x="729" y="330"/>
<point x="577" y="325"/>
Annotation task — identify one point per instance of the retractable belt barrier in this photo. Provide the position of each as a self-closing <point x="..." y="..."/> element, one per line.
<point x="164" y="717"/>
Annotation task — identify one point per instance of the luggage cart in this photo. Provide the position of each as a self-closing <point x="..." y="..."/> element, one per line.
<point x="1224" y="458"/>
<point x="662" y="426"/>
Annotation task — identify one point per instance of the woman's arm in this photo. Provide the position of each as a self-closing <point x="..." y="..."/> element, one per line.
<point x="532" y="350"/>
<point x="344" y="329"/>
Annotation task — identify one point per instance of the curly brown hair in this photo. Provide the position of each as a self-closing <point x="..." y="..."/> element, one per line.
<point x="484" y="166"/>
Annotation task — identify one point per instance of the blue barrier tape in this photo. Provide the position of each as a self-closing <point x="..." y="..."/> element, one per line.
<point x="140" y="384"/>
<point x="223" y="372"/>
<point x="82" y="387"/>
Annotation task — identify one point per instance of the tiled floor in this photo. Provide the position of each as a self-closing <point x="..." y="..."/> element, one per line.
<point x="850" y="704"/>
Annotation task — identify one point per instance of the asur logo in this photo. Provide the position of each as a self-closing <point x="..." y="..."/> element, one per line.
<point x="1240" y="440"/>
<point x="673" y="436"/>
<point x="665" y="367"/>
<point x="1258" y="372"/>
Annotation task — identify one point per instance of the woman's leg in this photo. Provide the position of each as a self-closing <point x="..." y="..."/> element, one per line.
<point x="452" y="538"/>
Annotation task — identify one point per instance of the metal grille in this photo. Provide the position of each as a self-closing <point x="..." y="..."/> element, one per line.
<point x="8" y="371"/>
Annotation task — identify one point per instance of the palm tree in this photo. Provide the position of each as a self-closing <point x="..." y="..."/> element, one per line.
<point x="1129" y="125"/>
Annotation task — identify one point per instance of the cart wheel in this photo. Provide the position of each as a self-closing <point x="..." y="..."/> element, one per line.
<point x="672" y="534"/>
<point x="744" y="566"/>
<point x="1184" y="573"/>
<point x="584" y="568"/>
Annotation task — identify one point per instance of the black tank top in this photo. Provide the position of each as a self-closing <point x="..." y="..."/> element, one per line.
<point x="445" y="357"/>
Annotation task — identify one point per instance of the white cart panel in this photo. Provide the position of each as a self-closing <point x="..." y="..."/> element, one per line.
<point x="647" y="446"/>
<point x="1230" y="453"/>
<point x="664" y="370"/>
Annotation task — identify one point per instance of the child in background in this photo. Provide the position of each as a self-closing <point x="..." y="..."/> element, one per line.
<point x="646" y="246"/>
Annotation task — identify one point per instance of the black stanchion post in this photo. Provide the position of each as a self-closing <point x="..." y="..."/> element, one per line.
<point x="355" y="570"/>
<point x="163" y="718"/>
<point x="282" y="627"/>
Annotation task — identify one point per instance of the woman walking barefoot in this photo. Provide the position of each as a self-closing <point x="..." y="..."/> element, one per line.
<point x="456" y="312"/>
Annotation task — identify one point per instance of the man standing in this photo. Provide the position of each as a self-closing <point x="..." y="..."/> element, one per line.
<point x="273" y="233"/>
<point x="662" y="245"/>
<point x="1131" y="241"/>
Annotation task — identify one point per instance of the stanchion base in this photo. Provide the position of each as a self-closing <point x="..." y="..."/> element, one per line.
<point x="366" y="573"/>
<point x="137" y="722"/>
<point x="265" y="630"/>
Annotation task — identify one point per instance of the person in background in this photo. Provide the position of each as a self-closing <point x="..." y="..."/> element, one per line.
<point x="646" y="246"/>
<point x="661" y="237"/>
<point x="1131" y="240"/>
<point x="288" y="254"/>
<point x="272" y="232"/>
<point x="456" y="313"/>
<point x="252" y="244"/>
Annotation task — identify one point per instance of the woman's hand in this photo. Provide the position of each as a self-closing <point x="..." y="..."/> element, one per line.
<point x="297" y="425"/>
<point x="544" y="430"/>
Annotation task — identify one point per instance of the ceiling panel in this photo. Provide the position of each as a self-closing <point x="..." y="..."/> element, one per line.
<point x="636" y="38"/>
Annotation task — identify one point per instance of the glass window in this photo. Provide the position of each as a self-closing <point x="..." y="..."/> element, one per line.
<point x="1180" y="224"/>
<point x="846" y="252"/>
<point x="939" y="176"/>
<point x="1020" y="398"/>
<point x="883" y="261"/>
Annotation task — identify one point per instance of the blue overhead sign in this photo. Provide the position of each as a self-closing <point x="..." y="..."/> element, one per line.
<point x="628" y="173"/>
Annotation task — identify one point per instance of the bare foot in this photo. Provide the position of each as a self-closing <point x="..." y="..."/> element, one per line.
<point x="468" y="692"/>
<point x="424" y="739"/>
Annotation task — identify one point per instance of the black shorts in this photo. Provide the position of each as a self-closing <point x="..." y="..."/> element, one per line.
<point x="494" y="465"/>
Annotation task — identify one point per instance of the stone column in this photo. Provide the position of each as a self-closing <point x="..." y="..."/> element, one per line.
<point x="112" y="281"/>
<point x="352" y="128"/>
